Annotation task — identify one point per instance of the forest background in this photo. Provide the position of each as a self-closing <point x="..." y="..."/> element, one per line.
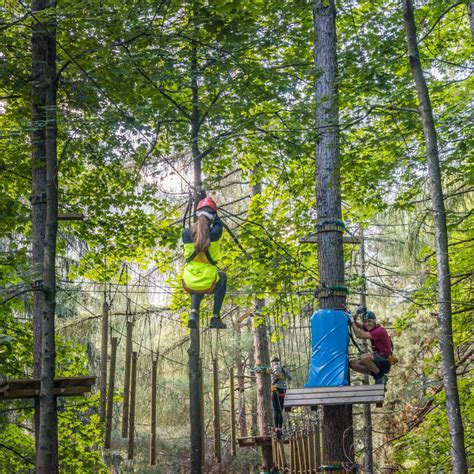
<point x="132" y="79"/>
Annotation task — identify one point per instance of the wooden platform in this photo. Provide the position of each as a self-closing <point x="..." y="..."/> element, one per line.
<point x="30" y="388"/>
<point x="253" y="441"/>
<point x="298" y="397"/>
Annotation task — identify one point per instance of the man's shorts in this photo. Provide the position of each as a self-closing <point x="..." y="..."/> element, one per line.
<point x="382" y="363"/>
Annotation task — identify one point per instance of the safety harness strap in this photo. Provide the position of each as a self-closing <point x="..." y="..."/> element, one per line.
<point x="206" y="252"/>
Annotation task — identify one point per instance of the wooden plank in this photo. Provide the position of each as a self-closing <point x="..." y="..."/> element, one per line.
<point x="20" y="393"/>
<point x="31" y="393"/>
<point x="348" y="388"/>
<point x="333" y="401"/>
<point x="33" y="384"/>
<point x="332" y="395"/>
<point x="63" y="386"/>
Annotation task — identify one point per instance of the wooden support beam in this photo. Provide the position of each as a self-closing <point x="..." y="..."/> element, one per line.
<point x="103" y="361"/>
<point x="233" y="441"/>
<point x="154" y="371"/>
<point x="126" y="382"/>
<point x="133" y="394"/>
<point x="110" y="393"/>
<point x="70" y="216"/>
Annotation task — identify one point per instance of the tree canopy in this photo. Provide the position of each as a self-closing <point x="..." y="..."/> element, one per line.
<point x="140" y="83"/>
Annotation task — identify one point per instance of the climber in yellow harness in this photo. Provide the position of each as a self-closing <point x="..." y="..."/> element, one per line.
<point x="202" y="252"/>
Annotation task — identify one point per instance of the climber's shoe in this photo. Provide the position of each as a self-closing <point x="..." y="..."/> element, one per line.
<point x="193" y="320"/>
<point x="217" y="323"/>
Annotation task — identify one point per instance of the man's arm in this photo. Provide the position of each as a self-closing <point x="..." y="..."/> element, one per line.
<point x="277" y="373"/>
<point x="357" y="327"/>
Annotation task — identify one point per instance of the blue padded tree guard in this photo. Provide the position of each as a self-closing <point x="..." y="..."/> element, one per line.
<point x="330" y="340"/>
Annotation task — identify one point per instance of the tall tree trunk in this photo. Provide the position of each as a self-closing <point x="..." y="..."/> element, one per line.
<point x="38" y="193"/>
<point x="264" y="402"/>
<point x="46" y="457"/>
<point x="195" y="370"/>
<point x="456" y="429"/>
<point x="368" y="447"/>
<point x="337" y="419"/>
<point x="262" y="358"/>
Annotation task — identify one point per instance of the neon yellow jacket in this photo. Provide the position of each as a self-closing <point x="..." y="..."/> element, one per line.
<point x="201" y="273"/>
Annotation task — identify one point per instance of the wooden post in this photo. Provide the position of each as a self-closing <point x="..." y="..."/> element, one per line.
<point x="310" y="448"/>
<point x="133" y="393"/>
<point x="217" y="418"/>
<point x="233" y="449"/>
<point x="103" y="361"/>
<point x="154" y="371"/>
<point x="283" y="456"/>
<point x="201" y="415"/>
<point x="323" y="441"/>
<point x="304" y="437"/>
<point x="110" y="393"/>
<point x="292" y="454"/>
<point x="299" y="450"/>
<point x="317" y="447"/>
<point x="239" y="365"/>
<point x="368" y="450"/>
<point x="126" y="383"/>
<point x="275" y="464"/>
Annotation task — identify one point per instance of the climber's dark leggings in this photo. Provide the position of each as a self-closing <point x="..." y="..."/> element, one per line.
<point x="278" y="401"/>
<point x="219" y="294"/>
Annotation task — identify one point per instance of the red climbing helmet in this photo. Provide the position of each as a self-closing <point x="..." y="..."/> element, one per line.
<point x="207" y="202"/>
